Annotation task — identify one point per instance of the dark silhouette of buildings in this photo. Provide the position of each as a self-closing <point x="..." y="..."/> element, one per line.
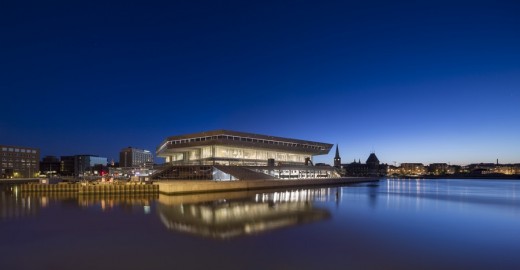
<point x="337" y="159"/>
<point x="372" y="166"/>
<point x="67" y="165"/>
<point x="79" y="165"/>
<point x="50" y="165"/>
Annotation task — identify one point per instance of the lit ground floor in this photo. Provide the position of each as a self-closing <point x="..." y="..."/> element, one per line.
<point x="233" y="173"/>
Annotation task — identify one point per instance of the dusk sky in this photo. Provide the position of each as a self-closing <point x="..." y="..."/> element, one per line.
<point x="415" y="82"/>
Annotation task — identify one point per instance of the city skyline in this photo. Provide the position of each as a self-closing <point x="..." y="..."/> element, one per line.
<point x="413" y="82"/>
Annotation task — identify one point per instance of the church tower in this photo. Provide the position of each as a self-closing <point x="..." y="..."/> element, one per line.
<point x="373" y="164"/>
<point x="337" y="158"/>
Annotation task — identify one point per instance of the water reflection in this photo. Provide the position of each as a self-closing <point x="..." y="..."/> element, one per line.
<point x="489" y="193"/>
<point x="393" y="224"/>
<point x="213" y="215"/>
<point x="227" y="215"/>
<point x="14" y="205"/>
<point x="125" y="202"/>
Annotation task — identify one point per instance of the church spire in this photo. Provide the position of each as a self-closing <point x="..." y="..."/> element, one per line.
<point x="337" y="158"/>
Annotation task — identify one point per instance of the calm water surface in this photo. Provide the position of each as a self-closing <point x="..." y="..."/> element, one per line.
<point x="394" y="224"/>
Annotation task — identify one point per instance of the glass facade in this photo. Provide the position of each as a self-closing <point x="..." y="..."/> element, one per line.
<point x="298" y="173"/>
<point x="248" y="139"/>
<point x="226" y="155"/>
<point x="84" y="164"/>
<point x="249" y="156"/>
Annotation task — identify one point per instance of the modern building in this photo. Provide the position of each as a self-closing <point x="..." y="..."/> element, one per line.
<point x="135" y="158"/>
<point x="89" y="165"/>
<point x="232" y="155"/>
<point x="67" y="165"/>
<point x="19" y="162"/>
<point x="83" y="165"/>
<point x="50" y="165"/>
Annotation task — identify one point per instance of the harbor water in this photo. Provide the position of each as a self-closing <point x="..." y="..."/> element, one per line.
<point x="391" y="224"/>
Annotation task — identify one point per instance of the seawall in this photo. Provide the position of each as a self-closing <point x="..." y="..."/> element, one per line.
<point x="201" y="186"/>
<point x="92" y="189"/>
<point x="19" y="181"/>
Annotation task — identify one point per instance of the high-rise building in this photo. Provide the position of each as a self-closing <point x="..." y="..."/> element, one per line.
<point x="133" y="157"/>
<point x="19" y="162"/>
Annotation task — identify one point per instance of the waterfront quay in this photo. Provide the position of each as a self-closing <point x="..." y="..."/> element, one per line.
<point x="132" y="188"/>
<point x="188" y="186"/>
<point x="201" y="186"/>
<point x="11" y="181"/>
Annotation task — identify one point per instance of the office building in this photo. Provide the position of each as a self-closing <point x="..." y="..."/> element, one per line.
<point x="19" y="162"/>
<point x="85" y="165"/>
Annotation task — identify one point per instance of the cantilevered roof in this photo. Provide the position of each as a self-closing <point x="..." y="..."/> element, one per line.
<point x="243" y="139"/>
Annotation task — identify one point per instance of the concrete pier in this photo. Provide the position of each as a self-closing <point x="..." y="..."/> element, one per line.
<point x="200" y="186"/>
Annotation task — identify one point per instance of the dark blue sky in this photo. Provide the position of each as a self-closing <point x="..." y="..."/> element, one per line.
<point x="416" y="82"/>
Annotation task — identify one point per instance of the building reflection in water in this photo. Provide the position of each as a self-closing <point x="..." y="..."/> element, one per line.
<point x="14" y="205"/>
<point x="126" y="202"/>
<point x="227" y="215"/>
